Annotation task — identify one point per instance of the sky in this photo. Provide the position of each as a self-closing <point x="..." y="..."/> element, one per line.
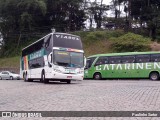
<point x="107" y="2"/>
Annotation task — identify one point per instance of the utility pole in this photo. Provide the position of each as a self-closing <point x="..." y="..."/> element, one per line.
<point x="129" y="13"/>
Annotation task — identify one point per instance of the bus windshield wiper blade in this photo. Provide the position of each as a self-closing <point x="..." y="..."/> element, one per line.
<point x="62" y="63"/>
<point x="75" y="65"/>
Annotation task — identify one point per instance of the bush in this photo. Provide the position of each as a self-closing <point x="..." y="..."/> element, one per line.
<point x="130" y="42"/>
<point x="103" y="35"/>
<point x="115" y="33"/>
<point x="92" y="36"/>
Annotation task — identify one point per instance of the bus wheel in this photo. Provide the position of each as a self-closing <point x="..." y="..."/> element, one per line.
<point x="30" y="80"/>
<point x="68" y="81"/>
<point x="154" y="76"/>
<point x="97" y="76"/>
<point x="25" y="77"/>
<point x="43" y="79"/>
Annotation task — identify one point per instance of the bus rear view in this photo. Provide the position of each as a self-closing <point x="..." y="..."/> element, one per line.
<point x="57" y="56"/>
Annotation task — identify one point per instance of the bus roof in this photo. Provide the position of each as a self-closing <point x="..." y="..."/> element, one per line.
<point x="46" y="36"/>
<point x="36" y="41"/>
<point x="125" y="53"/>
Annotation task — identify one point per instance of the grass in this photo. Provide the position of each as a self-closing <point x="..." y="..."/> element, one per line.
<point x="97" y="42"/>
<point x="97" y="47"/>
<point x="13" y="62"/>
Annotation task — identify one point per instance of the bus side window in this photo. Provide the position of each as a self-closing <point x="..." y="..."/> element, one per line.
<point x="115" y="60"/>
<point x="37" y="46"/>
<point x="47" y="44"/>
<point x="101" y="60"/>
<point x="155" y="58"/>
<point x="128" y="59"/>
<point x="47" y="41"/>
<point x="36" y="63"/>
<point x="89" y="62"/>
<point x="142" y="58"/>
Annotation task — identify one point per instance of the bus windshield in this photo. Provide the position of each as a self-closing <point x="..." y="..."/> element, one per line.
<point x="68" y="59"/>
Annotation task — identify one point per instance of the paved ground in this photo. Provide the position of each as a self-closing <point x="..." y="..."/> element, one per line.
<point x="88" y="95"/>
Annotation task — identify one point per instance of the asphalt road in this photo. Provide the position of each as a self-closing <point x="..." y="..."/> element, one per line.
<point x="88" y="95"/>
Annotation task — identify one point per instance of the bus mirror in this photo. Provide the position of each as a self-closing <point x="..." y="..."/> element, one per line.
<point x="49" y="64"/>
<point x="88" y="64"/>
<point x="85" y="61"/>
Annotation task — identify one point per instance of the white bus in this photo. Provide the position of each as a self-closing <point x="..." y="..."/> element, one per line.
<point x="57" y="56"/>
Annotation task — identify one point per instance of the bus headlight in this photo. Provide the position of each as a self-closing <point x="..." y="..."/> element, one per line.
<point x="80" y="72"/>
<point x="57" y="70"/>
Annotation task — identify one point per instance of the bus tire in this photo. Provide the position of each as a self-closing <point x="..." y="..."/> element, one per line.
<point x="68" y="81"/>
<point x="30" y="80"/>
<point x="154" y="76"/>
<point x="25" y="77"/>
<point x="43" y="79"/>
<point x="97" y="76"/>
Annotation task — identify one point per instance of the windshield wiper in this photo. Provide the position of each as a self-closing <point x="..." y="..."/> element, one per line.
<point x="68" y="64"/>
<point x="75" y="65"/>
<point x="62" y="64"/>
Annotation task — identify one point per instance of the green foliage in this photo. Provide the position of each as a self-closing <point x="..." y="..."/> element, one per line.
<point x="158" y="35"/>
<point x="147" y="11"/>
<point x="12" y="49"/>
<point x="114" y="33"/>
<point x="22" y="20"/>
<point x="92" y="36"/>
<point x="98" y="41"/>
<point x="99" y="35"/>
<point x="10" y="62"/>
<point x="16" y="14"/>
<point x="65" y="15"/>
<point x="83" y="34"/>
<point x="97" y="10"/>
<point x="130" y="42"/>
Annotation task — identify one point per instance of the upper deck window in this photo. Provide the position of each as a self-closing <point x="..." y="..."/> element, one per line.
<point x="67" y="41"/>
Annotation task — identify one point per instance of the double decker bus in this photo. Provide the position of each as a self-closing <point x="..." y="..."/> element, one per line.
<point x="56" y="56"/>
<point x="123" y="65"/>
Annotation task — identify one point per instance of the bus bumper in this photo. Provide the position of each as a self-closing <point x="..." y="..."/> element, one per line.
<point x="77" y="77"/>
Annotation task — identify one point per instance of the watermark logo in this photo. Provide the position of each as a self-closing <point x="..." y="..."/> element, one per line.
<point x="6" y="114"/>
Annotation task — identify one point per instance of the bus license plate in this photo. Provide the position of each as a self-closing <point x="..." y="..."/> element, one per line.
<point x="69" y="77"/>
<point x="70" y="70"/>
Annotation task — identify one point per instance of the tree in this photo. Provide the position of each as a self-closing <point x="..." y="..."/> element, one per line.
<point x="20" y="20"/>
<point x="113" y="7"/>
<point x="65" y="15"/>
<point x="147" y="12"/>
<point x="19" y="17"/>
<point x="31" y="13"/>
<point x="97" y="11"/>
<point x="116" y="7"/>
<point x="21" y="14"/>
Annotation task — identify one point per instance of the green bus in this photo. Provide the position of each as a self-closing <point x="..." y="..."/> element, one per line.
<point x="123" y="65"/>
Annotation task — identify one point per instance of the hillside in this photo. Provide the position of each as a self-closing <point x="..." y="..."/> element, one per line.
<point x="101" y="42"/>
